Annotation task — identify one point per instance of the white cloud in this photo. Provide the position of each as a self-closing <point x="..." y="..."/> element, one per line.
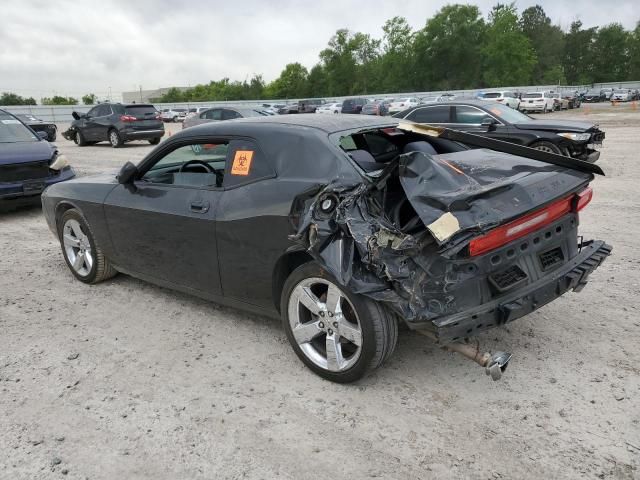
<point x="74" y="47"/>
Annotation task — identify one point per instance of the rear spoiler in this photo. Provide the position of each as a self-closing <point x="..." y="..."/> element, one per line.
<point x="501" y="146"/>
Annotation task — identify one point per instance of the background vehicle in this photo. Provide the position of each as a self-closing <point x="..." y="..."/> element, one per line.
<point x="222" y="113"/>
<point x="353" y="105"/>
<point x="565" y="137"/>
<point x="376" y="108"/>
<point x="198" y="219"/>
<point x="402" y="104"/>
<point x="330" y="108"/>
<point x="39" y="125"/>
<point x="174" y="114"/>
<point x="196" y="110"/>
<point x="272" y="107"/>
<point x="288" y="109"/>
<point x="309" y="106"/>
<point x="28" y="162"/>
<point x="116" y="123"/>
<point x="537" y="102"/>
<point x="559" y="102"/>
<point x="593" y="96"/>
<point x="621" y="95"/>
<point x="607" y="92"/>
<point x="573" y="99"/>
<point x="505" y="97"/>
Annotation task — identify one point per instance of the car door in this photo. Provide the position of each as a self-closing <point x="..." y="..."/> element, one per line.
<point x="163" y="225"/>
<point x="431" y="115"/>
<point x="89" y="126"/>
<point x="469" y="118"/>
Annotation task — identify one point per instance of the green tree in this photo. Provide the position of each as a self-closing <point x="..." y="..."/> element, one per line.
<point x="508" y="56"/>
<point x="340" y="64"/>
<point x="579" y="54"/>
<point x="611" y="54"/>
<point x="292" y="82"/>
<point x="397" y="70"/>
<point x="59" y="100"/>
<point x="547" y="41"/>
<point x="317" y="81"/>
<point x="89" y="99"/>
<point x="8" y="98"/>
<point x="449" y="49"/>
<point x="634" y="54"/>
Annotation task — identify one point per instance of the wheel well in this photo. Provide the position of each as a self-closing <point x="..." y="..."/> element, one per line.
<point x="60" y="209"/>
<point x="284" y="266"/>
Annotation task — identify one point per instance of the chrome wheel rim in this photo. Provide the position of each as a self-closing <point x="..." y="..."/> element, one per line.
<point x="325" y="325"/>
<point x="113" y="136"/>
<point x="544" y="148"/>
<point x="77" y="247"/>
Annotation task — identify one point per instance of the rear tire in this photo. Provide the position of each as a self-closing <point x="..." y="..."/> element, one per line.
<point x="154" y="141"/>
<point x="115" y="139"/>
<point x="83" y="255"/>
<point x="546" y="147"/>
<point x="327" y="341"/>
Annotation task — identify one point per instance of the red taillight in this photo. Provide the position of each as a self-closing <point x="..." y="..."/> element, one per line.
<point x="127" y="118"/>
<point x="529" y="223"/>
<point x="158" y="116"/>
<point x="499" y="99"/>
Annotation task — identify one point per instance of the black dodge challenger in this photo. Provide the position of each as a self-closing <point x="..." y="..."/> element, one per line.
<point x="343" y="226"/>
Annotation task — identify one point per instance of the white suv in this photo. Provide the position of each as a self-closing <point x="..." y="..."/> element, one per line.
<point x="538" y="101"/>
<point x="402" y="104"/>
<point x="174" y="114"/>
<point x="505" y="97"/>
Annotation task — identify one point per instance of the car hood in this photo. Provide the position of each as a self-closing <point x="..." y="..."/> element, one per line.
<point x="476" y="190"/>
<point x="562" y="126"/>
<point x="24" y="152"/>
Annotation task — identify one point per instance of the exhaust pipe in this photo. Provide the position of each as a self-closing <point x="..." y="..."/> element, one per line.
<point x="494" y="364"/>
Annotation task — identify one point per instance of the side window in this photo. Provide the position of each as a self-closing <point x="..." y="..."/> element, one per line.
<point x="470" y="115"/>
<point x="245" y="163"/>
<point x="215" y="114"/>
<point x="103" y="111"/>
<point x="93" y="112"/>
<point x="199" y="165"/>
<point x="439" y="114"/>
<point x="230" y="114"/>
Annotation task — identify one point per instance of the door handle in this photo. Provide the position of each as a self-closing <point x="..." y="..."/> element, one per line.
<point x="199" y="207"/>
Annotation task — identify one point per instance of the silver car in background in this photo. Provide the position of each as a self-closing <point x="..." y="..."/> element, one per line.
<point x="217" y="114"/>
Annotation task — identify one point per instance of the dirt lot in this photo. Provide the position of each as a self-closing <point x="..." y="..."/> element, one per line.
<point x="128" y="380"/>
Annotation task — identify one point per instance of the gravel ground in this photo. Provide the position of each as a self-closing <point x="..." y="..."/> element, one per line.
<point x="128" y="380"/>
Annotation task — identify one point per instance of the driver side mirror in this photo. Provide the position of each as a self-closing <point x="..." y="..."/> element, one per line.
<point x="490" y="123"/>
<point x="127" y="173"/>
<point x="78" y="116"/>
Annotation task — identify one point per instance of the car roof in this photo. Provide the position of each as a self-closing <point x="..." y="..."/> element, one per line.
<point x="470" y="102"/>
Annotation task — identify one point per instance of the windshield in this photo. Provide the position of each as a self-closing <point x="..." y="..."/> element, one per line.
<point x="508" y="114"/>
<point x="620" y="91"/>
<point x="140" y="110"/>
<point x="12" y="130"/>
<point x="492" y="95"/>
<point x="532" y="95"/>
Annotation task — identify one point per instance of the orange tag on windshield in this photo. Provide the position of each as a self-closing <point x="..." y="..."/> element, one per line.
<point x="495" y="111"/>
<point x="242" y="162"/>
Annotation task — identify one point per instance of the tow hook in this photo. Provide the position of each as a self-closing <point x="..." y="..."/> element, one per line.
<point x="494" y="364"/>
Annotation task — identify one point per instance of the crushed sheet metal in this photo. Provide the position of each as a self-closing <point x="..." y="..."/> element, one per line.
<point x="445" y="227"/>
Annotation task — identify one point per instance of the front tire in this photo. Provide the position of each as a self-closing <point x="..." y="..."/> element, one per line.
<point x="115" y="139"/>
<point x="154" y="141"/>
<point x="339" y="335"/>
<point x="79" y="139"/>
<point x="546" y="147"/>
<point x="83" y="255"/>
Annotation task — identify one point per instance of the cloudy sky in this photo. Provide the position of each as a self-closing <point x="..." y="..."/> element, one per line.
<point x="74" y="47"/>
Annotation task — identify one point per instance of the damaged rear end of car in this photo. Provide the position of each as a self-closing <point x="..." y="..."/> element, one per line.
<point x="452" y="240"/>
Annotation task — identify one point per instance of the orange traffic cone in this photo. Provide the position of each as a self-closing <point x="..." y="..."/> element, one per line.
<point x="634" y="105"/>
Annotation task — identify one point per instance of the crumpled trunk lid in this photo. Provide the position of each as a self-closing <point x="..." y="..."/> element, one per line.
<point x="473" y="191"/>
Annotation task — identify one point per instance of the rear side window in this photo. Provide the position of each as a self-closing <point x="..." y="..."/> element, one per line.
<point x="470" y="115"/>
<point x="439" y="114"/>
<point x="140" y="110"/>
<point x="230" y="114"/>
<point x="245" y="163"/>
<point x="215" y="114"/>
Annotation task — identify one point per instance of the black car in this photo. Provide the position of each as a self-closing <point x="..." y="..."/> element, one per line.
<point x="289" y="109"/>
<point x="593" y="96"/>
<point x="563" y="137"/>
<point x="38" y="125"/>
<point x="116" y="123"/>
<point x="28" y="162"/>
<point x="353" y="105"/>
<point x="342" y="226"/>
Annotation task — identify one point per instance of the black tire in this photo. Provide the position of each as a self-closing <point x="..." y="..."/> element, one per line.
<point x="174" y="119"/>
<point x="101" y="268"/>
<point x="378" y="325"/>
<point x="154" y="141"/>
<point x="79" y="139"/>
<point x="546" y="147"/>
<point x="115" y="139"/>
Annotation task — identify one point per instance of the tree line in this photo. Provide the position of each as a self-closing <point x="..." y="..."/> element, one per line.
<point x="456" y="49"/>
<point x="8" y="98"/>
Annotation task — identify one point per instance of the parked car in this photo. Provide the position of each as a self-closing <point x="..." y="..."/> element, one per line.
<point x="402" y="104"/>
<point x="330" y="108"/>
<point x="607" y="92"/>
<point x="538" y="102"/>
<point x="575" y="139"/>
<point x="344" y="248"/>
<point x="117" y="124"/>
<point x="621" y="95"/>
<point x="39" y="125"/>
<point x="559" y="102"/>
<point x="174" y="114"/>
<point x="272" y="107"/>
<point x="353" y="105"/>
<point x="309" y="106"/>
<point x="28" y="162"/>
<point x="573" y="99"/>
<point x="196" y="111"/>
<point x="222" y="113"/>
<point x="593" y="96"/>
<point x="507" y="98"/>
<point x="289" y="109"/>
<point x="376" y="108"/>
